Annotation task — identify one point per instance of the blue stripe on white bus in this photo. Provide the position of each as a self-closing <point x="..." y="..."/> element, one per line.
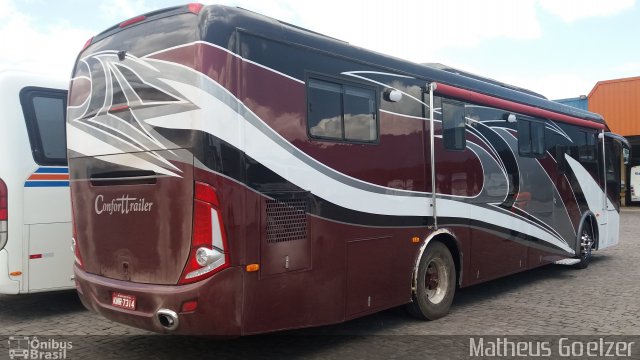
<point x="33" y="183"/>
<point x="53" y="170"/>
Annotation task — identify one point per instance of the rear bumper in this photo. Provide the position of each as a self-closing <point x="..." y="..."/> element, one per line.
<point x="7" y="285"/>
<point x="219" y="302"/>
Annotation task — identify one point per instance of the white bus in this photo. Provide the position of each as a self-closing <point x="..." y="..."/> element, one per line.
<point x="634" y="181"/>
<point x="35" y="214"/>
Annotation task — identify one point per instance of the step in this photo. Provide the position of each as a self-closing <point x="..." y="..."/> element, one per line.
<point x="567" y="261"/>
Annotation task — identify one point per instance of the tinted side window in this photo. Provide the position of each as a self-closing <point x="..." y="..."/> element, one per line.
<point x="359" y="114"/>
<point x="531" y="137"/>
<point x="45" y="111"/>
<point x="325" y="109"/>
<point x="339" y="111"/>
<point x="586" y="146"/>
<point x="558" y="146"/>
<point x="453" y="125"/>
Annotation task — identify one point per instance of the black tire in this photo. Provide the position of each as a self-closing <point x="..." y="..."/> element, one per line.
<point x="586" y="244"/>
<point x="436" y="283"/>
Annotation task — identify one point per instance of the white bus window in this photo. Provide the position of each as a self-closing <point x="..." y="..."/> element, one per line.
<point x="44" y="112"/>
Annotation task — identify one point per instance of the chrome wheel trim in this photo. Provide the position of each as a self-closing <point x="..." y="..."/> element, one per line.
<point x="586" y="245"/>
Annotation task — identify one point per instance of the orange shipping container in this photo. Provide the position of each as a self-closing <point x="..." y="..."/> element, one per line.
<point x="618" y="101"/>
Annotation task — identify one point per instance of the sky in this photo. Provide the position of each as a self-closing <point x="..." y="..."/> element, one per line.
<point x="559" y="48"/>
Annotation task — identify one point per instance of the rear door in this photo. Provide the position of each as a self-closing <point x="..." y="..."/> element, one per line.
<point x="133" y="225"/>
<point x="47" y="213"/>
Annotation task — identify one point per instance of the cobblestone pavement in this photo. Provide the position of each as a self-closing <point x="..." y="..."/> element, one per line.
<point x="604" y="299"/>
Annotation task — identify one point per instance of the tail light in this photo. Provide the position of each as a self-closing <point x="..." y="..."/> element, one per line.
<point x="195" y="8"/>
<point x="132" y="21"/>
<point x="87" y="43"/>
<point x="4" y="215"/>
<point x="208" y="241"/>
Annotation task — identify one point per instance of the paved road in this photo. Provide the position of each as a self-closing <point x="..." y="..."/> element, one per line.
<point x="601" y="300"/>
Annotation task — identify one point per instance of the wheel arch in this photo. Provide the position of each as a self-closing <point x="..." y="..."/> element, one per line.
<point x="448" y="238"/>
<point x="588" y="219"/>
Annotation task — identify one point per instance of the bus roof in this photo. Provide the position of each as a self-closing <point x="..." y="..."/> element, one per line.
<point x="238" y="18"/>
<point x="219" y="25"/>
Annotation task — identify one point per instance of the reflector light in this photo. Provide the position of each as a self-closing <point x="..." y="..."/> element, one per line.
<point x="253" y="267"/>
<point x="15" y="273"/>
<point x="132" y="21"/>
<point x="195" y="8"/>
<point x="415" y="239"/>
<point x="189" y="306"/>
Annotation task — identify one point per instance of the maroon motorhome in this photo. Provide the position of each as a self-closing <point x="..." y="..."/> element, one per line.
<point x="232" y="174"/>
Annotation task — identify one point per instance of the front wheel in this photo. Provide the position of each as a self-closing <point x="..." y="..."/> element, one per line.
<point x="586" y="247"/>
<point x="436" y="283"/>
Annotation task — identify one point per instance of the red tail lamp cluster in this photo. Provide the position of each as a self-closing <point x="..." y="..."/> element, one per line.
<point x="208" y="241"/>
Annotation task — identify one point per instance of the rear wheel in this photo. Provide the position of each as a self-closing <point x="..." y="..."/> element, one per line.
<point x="586" y="247"/>
<point x="435" y="283"/>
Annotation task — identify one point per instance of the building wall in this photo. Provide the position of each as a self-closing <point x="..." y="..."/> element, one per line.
<point x="618" y="101"/>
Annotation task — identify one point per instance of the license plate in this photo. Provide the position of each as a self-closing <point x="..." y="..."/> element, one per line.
<point x="123" y="301"/>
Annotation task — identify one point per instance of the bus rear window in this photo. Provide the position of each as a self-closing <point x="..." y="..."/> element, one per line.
<point x="44" y="111"/>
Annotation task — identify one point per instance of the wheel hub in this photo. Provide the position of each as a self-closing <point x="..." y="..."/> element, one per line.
<point x="436" y="280"/>
<point x="432" y="279"/>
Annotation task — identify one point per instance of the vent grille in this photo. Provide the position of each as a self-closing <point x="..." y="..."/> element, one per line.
<point x="286" y="220"/>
